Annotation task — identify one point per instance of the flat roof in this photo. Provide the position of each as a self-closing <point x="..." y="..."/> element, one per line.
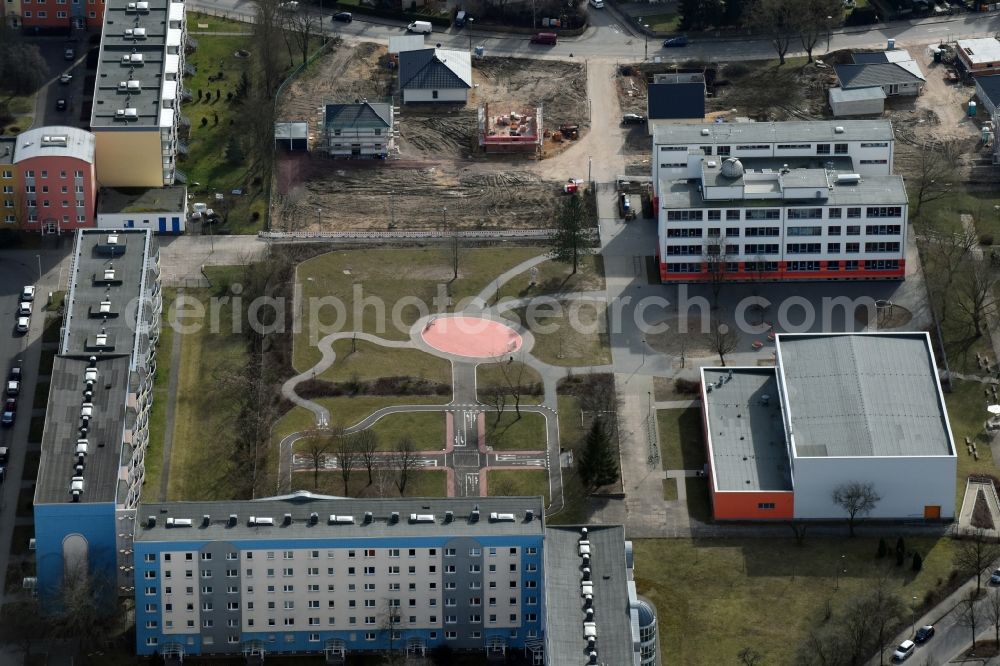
<point x="86" y="319"/>
<point x="291" y="130"/>
<point x="55" y="141"/>
<point x="863" y="395"/>
<point x="352" y="512"/>
<point x="856" y="94"/>
<point x="989" y="86"/>
<point x="746" y="432"/>
<point x="774" y="132"/>
<point x="980" y="51"/>
<point x="171" y="199"/>
<point x="564" y="609"/>
<point x="149" y="71"/>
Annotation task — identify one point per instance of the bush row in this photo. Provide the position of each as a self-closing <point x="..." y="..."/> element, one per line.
<point x="402" y="385"/>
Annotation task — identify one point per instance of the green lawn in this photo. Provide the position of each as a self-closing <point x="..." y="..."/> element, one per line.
<point x="682" y="443"/>
<point x="574" y="334"/>
<point x="22" y="108"/>
<point x="420" y="483"/>
<point x="369" y="361"/>
<point x="670" y="489"/>
<point x="502" y="375"/>
<point x="967" y="413"/>
<point x="512" y="433"/>
<point x="663" y="22"/>
<point x="197" y="471"/>
<point x="195" y="21"/>
<point x="557" y="278"/>
<point x="427" y="429"/>
<point x="381" y="279"/>
<point x="944" y="214"/>
<point x="718" y="596"/>
<point x="347" y="411"/>
<point x="518" y="483"/>
<point x="571" y="434"/>
<point x="158" y="413"/>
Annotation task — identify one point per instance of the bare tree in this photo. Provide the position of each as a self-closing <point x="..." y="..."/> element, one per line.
<point x="993" y="612"/>
<point x="496" y="397"/>
<point x="974" y="292"/>
<point x="856" y="499"/>
<point x="383" y="481"/>
<point x="750" y="657"/>
<point x="404" y="460"/>
<point x="883" y="609"/>
<point x="970" y="615"/>
<point x="301" y="27"/>
<point x="813" y="19"/>
<point x="23" y="623"/>
<point x="389" y="620"/>
<point x="513" y="370"/>
<point x="723" y="339"/>
<point x="366" y="444"/>
<point x="799" y="530"/>
<point x="935" y="170"/>
<point x="347" y="458"/>
<point x="87" y="608"/>
<point x="317" y="443"/>
<point x="716" y="259"/>
<point x="944" y="256"/>
<point x="775" y="19"/>
<point x="976" y="553"/>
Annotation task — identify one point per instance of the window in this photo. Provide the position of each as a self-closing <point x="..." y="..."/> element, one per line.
<point x="30" y="189"/>
<point x="475" y="568"/>
<point x="449" y="552"/>
<point x="714" y="232"/>
<point x="206" y="606"/>
<point x="840" y="149"/>
<point x="763" y="231"/>
<point x="755" y="146"/>
<point x="876" y="144"/>
<point x="805" y="231"/>
<point x="882" y="247"/>
<point x="684" y="233"/>
<point x="853" y="213"/>
<point x="732" y="232"/>
<point x="676" y="250"/>
<point x="206" y="557"/>
<point x="833" y="231"/>
<point x="78" y="174"/>
<point x="150" y="574"/>
<point x="833" y="248"/>
<point x="805" y="213"/>
<point x="803" y="265"/>
<point x="206" y="573"/>
<point x="714" y="215"/>
<point x="369" y="552"/>
<point x="874" y="161"/>
<point x="884" y="211"/>
<point x="434" y="94"/>
<point x="233" y="605"/>
<point x="822" y="149"/>
<point x="232" y="573"/>
<point x="369" y="603"/>
<point x="882" y="265"/>
<point x="765" y="505"/>
<point x="208" y="624"/>
<point x="369" y="571"/>
<point x="706" y="150"/>
<point x="854" y="230"/>
<point x="288" y="588"/>
<point x="369" y="619"/>
<point x="45" y="174"/>
<point x="314" y="638"/>
<point x="763" y="214"/>
<point x="685" y="215"/>
<point x="289" y="604"/>
<point x="150" y="591"/>
<point x="794" y="146"/>
<point x="853" y="248"/>
<point x="722" y="151"/>
<point x="206" y="589"/>
<point x="803" y="248"/>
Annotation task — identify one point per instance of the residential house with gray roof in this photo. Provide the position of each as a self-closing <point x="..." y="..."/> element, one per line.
<point x="435" y="75"/>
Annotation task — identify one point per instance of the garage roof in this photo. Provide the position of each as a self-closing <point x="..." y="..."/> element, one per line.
<point x="863" y="394"/>
<point x="839" y="95"/>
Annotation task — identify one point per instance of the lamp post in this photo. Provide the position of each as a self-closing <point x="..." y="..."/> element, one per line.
<point x="913" y="622"/>
<point x="829" y="30"/>
<point x="469" y="22"/>
<point x="39" y="258"/>
<point x="645" y="37"/>
<point x="643" y="352"/>
<point x="840" y="569"/>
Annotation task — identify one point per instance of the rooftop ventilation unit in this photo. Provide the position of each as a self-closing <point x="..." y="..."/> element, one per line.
<point x="587" y="588"/>
<point x="81" y="447"/>
<point x="705" y="131"/>
<point x="137" y="7"/>
<point x="151" y="521"/>
<point x="206" y="520"/>
<point x="261" y="521"/>
<point x="109" y="274"/>
<point x="135" y="33"/>
<point x="848" y="178"/>
<point x="421" y="517"/>
<point x="132" y="59"/>
<point x="341" y="520"/>
<point x="501" y="517"/>
<point x="129" y="86"/>
<point x="449" y="516"/>
<point x="394" y="517"/>
<point x="112" y="239"/>
<point x="529" y="515"/>
<point x="588" y="599"/>
<point x="368" y="517"/>
<point x="590" y="630"/>
<point x="54" y="140"/>
<point x="839" y="129"/>
<point x="232" y="520"/>
<point x="87" y="411"/>
<point x="592" y="658"/>
<point x="590" y="614"/>
<point x="586" y="573"/>
<point x="584" y="548"/>
<point x="313" y="518"/>
<point x="583" y="533"/>
<point x="287" y="520"/>
<point x="474" y="516"/>
<point x="179" y="522"/>
<point x="127" y="114"/>
<point x="90" y="374"/>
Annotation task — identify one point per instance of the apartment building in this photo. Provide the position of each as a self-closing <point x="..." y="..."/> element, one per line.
<point x="97" y="416"/>
<point x="54" y="16"/>
<point x="305" y="573"/>
<point x="136" y="111"/>
<point x="10" y="186"/>
<point x="55" y="169"/>
<point x="867" y="145"/>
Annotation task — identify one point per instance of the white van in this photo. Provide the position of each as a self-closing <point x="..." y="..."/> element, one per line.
<point x="597" y="4"/>
<point x="420" y="27"/>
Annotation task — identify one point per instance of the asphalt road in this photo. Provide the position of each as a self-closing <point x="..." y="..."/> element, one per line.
<point x="609" y="38"/>
<point x="46" y="114"/>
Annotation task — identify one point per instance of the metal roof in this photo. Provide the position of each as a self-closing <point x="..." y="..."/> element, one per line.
<point x="775" y="132"/>
<point x="55" y="141"/>
<point x="142" y="199"/>
<point x="351" y="512"/>
<point x="989" y="86"/>
<point x="361" y="115"/>
<point x="435" y="68"/>
<point x="863" y="394"/>
<point x="838" y="95"/>
<point x="150" y="72"/>
<point x="676" y="100"/>
<point x="564" y="607"/>
<point x="877" y="74"/>
<point x="291" y="130"/>
<point x="980" y="51"/>
<point x="746" y="433"/>
<point x="86" y="319"/>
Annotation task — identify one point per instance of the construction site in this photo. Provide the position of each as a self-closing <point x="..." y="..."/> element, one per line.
<point x="441" y="174"/>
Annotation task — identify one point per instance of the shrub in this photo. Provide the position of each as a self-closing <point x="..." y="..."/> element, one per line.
<point x="861" y="16"/>
<point x="254" y="216"/>
<point x="981" y="515"/>
<point x="687" y="386"/>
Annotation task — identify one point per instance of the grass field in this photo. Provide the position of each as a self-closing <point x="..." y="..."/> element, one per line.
<point x="420" y="483"/>
<point x="967" y="413"/>
<point x="682" y="444"/>
<point x="501" y="375"/>
<point x="570" y="438"/>
<point x="517" y="483"/>
<point x="371" y="285"/>
<point x="573" y="335"/>
<point x="512" y="433"/>
<point x="426" y="429"/>
<point x="347" y="411"/>
<point x="661" y="23"/>
<point x="22" y="110"/>
<point x="158" y="413"/>
<point x="557" y="278"/>
<point x="944" y="214"/>
<point x="716" y="597"/>
<point x="369" y="361"/>
<point x="197" y="471"/>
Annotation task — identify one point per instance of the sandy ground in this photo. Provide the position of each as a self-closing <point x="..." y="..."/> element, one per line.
<point x="437" y="165"/>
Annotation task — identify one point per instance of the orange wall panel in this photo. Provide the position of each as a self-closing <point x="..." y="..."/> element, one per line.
<point x="744" y="505"/>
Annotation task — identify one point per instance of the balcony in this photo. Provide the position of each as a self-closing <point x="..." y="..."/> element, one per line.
<point x="189" y="69"/>
<point x="186" y="95"/>
<point x="180" y="176"/>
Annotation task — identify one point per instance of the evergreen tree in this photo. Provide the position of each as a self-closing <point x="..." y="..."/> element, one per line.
<point x="900" y="552"/>
<point x="598" y="466"/>
<point x="573" y="236"/>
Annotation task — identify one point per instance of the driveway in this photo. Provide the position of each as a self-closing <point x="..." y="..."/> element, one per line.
<point x="53" y="50"/>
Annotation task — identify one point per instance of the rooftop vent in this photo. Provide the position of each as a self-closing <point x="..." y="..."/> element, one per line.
<point x="206" y="520"/>
<point x="839" y="129"/>
<point x="368" y="517"/>
<point x="502" y="517"/>
<point x="135" y="33"/>
<point x="132" y="59"/>
<point x="590" y="630"/>
<point x="127" y="114"/>
<point x="529" y="515"/>
<point x="129" y="86"/>
<point x="137" y="7"/>
<point x="151" y="521"/>
<point x="87" y="410"/>
<point x="705" y="131"/>
<point x="449" y="516"/>
<point x="341" y="520"/>
<point x="81" y="446"/>
<point x="474" y="516"/>
<point x="179" y="522"/>
<point x="421" y="517"/>
<point x="232" y="520"/>
<point x="583" y="533"/>
<point x="90" y="375"/>
<point x="587" y="588"/>
<point x="313" y="518"/>
<point x="584" y="548"/>
<point x="261" y="521"/>
<point x="109" y="274"/>
<point x="55" y="140"/>
<point x="848" y="178"/>
<point x="288" y="520"/>
<point x="394" y="517"/>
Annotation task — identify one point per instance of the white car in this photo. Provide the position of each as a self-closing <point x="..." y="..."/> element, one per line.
<point x="904" y="651"/>
<point x="13" y="387"/>
<point x="28" y="293"/>
<point x="24" y="309"/>
<point x="22" y="324"/>
<point x="66" y="77"/>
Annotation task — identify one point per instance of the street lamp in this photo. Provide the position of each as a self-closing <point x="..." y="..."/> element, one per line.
<point x="469" y="22"/>
<point x="645" y="37"/>
<point x="643" y="351"/>
<point x="913" y="623"/>
<point x="829" y="30"/>
<point x="841" y="569"/>
<point x="39" y="258"/>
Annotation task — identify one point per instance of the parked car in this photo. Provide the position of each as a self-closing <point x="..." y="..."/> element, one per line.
<point x="4" y="455"/>
<point x="22" y="324"/>
<point x="633" y="119"/>
<point x="290" y="6"/>
<point x="904" y="651"/>
<point x="65" y="77"/>
<point x="343" y="17"/>
<point x="461" y="18"/>
<point x="13" y="386"/>
<point x="9" y="412"/>
<point x="69" y="54"/>
<point x="924" y="634"/>
<point x="24" y="309"/>
<point x="60" y="104"/>
<point x="995" y="578"/>
<point x="597" y="4"/>
<point x="547" y="38"/>
<point x="420" y="27"/>
<point x="15" y="371"/>
<point x="28" y="292"/>
<point x="675" y="42"/>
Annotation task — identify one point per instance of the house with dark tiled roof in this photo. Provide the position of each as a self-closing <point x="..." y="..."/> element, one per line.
<point x="435" y="75"/>
<point x="871" y="78"/>
<point x="361" y="129"/>
<point x="672" y="98"/>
